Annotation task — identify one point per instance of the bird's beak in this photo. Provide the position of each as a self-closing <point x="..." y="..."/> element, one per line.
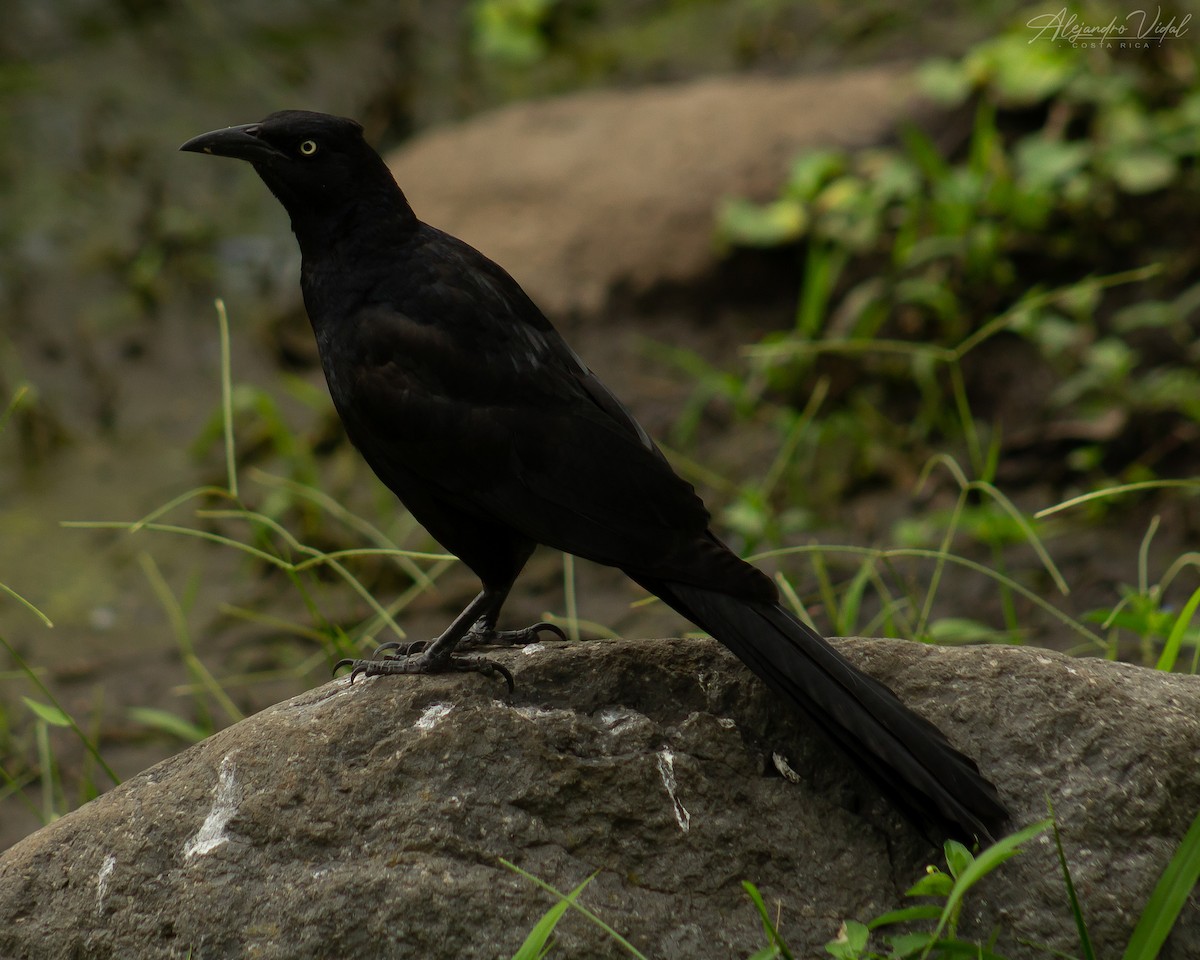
<point x="241" y="142"/>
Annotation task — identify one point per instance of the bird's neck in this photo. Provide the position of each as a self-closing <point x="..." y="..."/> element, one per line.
<point x="346" y="253"/>
<point x="375" y="220"/>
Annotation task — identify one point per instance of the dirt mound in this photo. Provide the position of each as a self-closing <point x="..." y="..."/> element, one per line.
<point x="586" y="193"/>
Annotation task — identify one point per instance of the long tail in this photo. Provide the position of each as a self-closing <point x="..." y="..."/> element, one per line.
<point x="928" y="779"/>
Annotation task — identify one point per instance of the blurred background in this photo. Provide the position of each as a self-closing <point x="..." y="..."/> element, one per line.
<point x="945" y="384"/>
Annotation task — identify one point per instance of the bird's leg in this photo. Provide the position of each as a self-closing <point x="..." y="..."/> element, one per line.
<point x="483" y="633"/>
<point x="438" y="656"/>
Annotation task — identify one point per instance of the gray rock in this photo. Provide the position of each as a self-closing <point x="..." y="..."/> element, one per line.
<point x="368" y="820"/>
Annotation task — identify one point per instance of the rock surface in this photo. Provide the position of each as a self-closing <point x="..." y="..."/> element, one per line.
<point x="368" y="820"/>
<point x="611" y="190"/>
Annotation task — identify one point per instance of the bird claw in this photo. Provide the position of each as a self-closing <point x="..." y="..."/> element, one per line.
<point x="418" y="664"/>
<point x="408" y="649"/>
<point x="482" y="637"/>
<point x="396" y="657"/>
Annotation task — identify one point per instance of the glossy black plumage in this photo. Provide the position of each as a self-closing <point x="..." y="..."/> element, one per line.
<point x="468" y="404"/>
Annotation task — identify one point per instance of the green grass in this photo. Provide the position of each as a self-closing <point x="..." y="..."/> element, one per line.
<point x="47" y="713"/>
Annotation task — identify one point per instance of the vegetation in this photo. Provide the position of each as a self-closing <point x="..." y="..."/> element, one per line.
<point x="1042" y="242"/>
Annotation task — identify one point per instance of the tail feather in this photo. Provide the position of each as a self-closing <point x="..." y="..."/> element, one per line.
<point x="931" y="781"/>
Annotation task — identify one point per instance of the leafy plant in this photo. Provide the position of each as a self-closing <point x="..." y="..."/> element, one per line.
<point x="1161" y="630"/>
<point x="48" y="713"/>
<point x="914" y="257"/>
<point x="511" y="31"/>
<point x="964" y="870"/>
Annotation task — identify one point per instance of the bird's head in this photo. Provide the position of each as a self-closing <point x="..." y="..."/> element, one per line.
<point x="313" y="162"/>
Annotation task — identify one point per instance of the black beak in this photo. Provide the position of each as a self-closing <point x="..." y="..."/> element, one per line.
<point x="241" y="142"/>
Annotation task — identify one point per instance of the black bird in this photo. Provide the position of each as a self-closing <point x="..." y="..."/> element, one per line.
<point x="469" y="405"/>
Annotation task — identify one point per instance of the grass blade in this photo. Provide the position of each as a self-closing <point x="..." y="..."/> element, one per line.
<point x="166" y="722"/>
<point x="629" y="947"/>
<point x="536" y="943"/>
<point x="987" y="861"/>
<point x="53" y="715"/>
<point x="1114" y="491"/>
<point x="1166" y="660"/>
<point x="774" y="939"/>
<point x="227" y="398"/>
<point x="33" y="677"/>
<point x="9" y="591"/>
<point x="886" y="555"/>
<point x="1076" y="910"/>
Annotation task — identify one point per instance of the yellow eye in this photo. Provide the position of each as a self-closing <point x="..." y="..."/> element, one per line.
<point x="308" y="147"/>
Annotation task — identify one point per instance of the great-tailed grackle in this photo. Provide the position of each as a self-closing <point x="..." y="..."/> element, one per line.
<point x="474" y="411"/>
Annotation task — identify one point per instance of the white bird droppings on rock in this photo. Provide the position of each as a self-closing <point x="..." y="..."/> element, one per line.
<point x="434" y="714"/>
<point x="225" y="803"/>
<point x="666" y="769"/>
<point x="102" y="878"/>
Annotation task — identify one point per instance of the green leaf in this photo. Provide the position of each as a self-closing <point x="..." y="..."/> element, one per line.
<point x="927" y="292"/>
<point x="947" y="631"/>
<point x="762" y="225"/>
<point x="538" y="939"/>
<point x="55" y="716"/>
<point x="812" y="170"/>
<point x="510" y="31"/>
<point x="1022" y="73"/>
<point x="851" y="941"/>
<point x="1146" y="314"/>
<point x="23" y="391"/>
<point x="1080" y="299"/>
<point x="1142" y="170"/>
<point x="167" y="722"/>
<point x="907" y="944"/>
<point x="933" y="884"/>
<point x="944" y="81"/>
<point x="958" y="857"/>
<point x="748" y="515"/>
<point x="890" y="176"/>
<point x="924" y="911"/>
<point x="1045" y="164"/>
<point x="1053" y="333"/>
<point x="987" y="861"/>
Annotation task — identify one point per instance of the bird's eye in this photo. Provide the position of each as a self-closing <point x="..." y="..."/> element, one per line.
<point x="308" y="147"/>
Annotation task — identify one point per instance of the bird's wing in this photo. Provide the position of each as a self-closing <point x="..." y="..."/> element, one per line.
<point x="512" y="427"/>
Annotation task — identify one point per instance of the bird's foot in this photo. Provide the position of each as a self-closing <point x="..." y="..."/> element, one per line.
<point x="481" y="635"/>
<point x="478" y="636"/>
<point x="412" y="662"/>
<point x="396" y="657"/>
